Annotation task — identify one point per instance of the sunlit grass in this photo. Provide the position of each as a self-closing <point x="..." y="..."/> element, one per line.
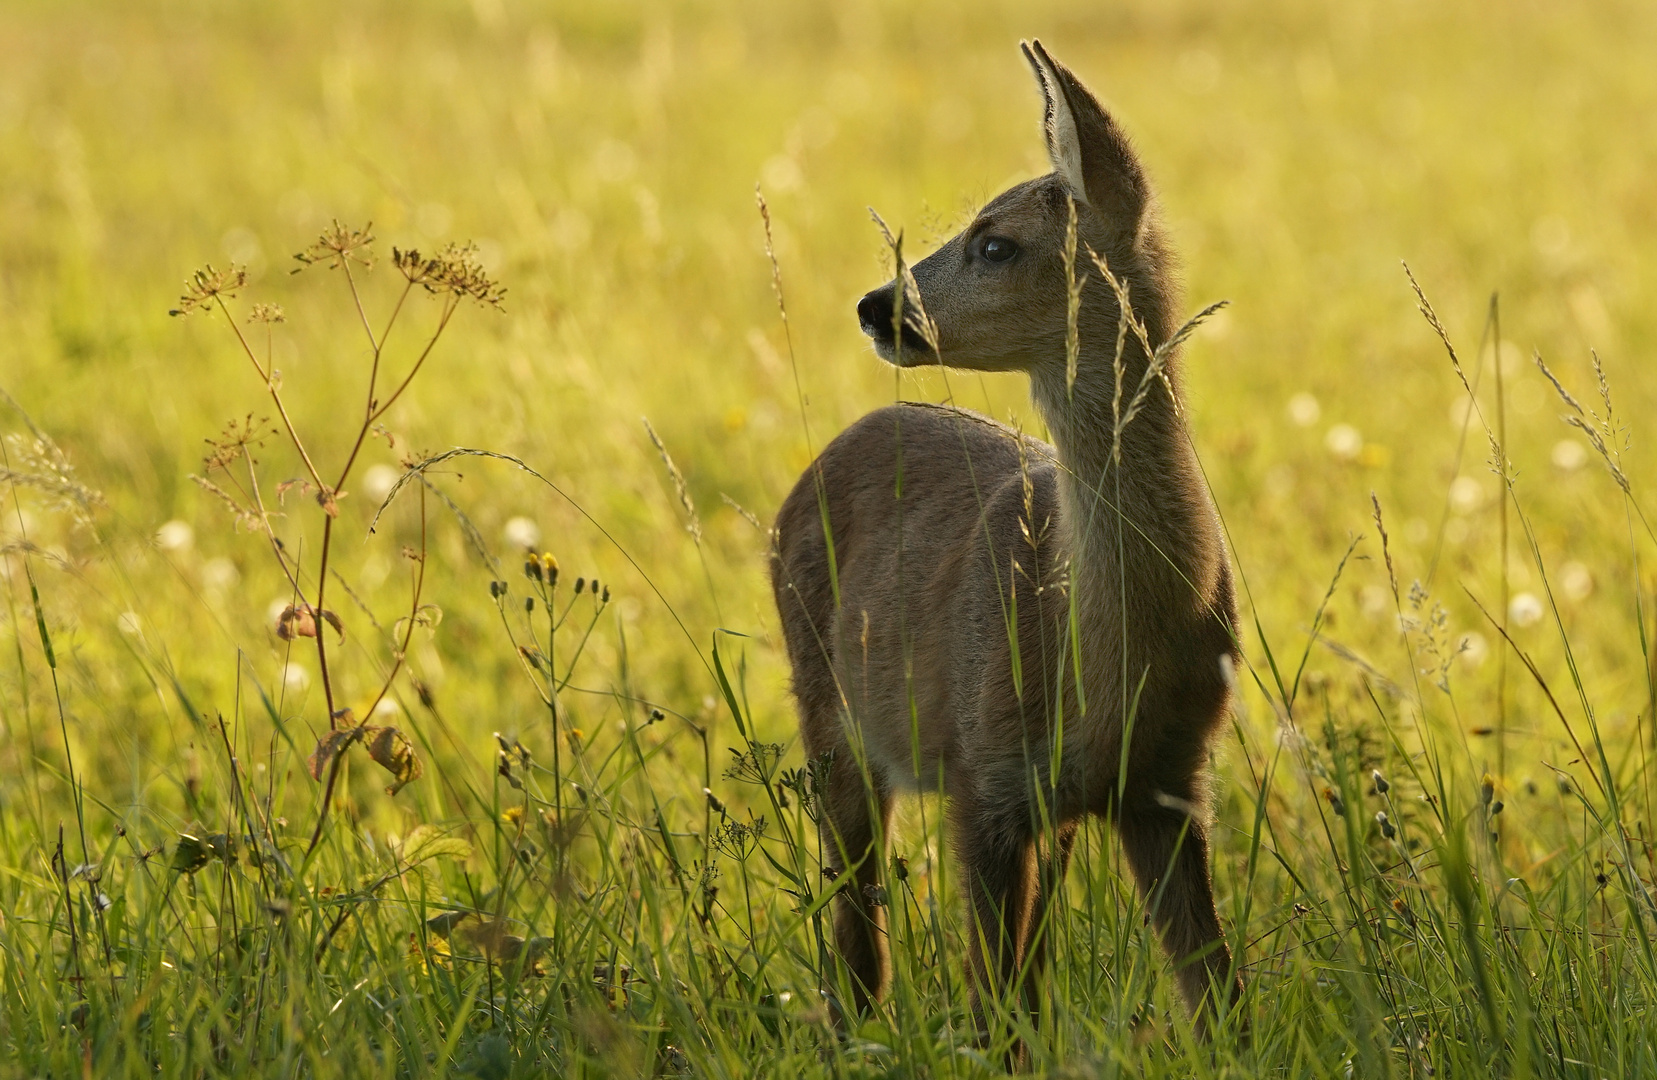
<point x="596" y="894"/>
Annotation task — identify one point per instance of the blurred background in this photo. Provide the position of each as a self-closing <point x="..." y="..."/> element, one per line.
<point x="604" y="158"/>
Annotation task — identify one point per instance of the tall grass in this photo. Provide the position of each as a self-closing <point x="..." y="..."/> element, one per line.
<point x="607" y="862"/>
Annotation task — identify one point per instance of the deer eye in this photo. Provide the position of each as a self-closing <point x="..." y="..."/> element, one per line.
<point x="998" y="249"/>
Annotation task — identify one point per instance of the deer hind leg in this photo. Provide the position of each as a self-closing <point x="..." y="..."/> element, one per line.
<point x="1168" y="851"/>
<point x="856" y="810"/>
<point x="1055" y="861"/>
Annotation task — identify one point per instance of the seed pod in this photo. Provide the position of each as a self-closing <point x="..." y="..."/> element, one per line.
<point x="1381" y="785"/>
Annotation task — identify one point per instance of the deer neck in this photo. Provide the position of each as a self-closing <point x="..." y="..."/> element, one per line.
<point x="1130" y="509"/>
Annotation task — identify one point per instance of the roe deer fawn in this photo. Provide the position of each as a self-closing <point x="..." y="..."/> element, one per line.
<point x="1044" y="631"/>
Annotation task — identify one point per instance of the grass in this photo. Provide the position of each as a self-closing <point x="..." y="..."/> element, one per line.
<point x="579" y="881"/>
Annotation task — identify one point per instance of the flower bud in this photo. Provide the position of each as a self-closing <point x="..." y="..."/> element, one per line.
<point x="1387" y="829"/>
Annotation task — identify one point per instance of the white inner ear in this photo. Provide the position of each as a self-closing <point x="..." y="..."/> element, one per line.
<point x="1063" y="144"/>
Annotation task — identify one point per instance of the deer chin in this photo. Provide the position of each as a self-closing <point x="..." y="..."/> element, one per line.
<point x="915" y="353"/>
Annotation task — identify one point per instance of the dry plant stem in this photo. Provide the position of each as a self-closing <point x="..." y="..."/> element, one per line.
<point x="356" y="300"/>
<point x="374" y="410"/>
<point x="322" y="638"/>
<point x="782" y="313"/>
<point x="378" y="346"/>
<point x="397" y="663"/>
<point x="264" y="519"/>
<point x="449" y="308"/>
<point x="275" y="395"/>
<point x="328" y="531"/>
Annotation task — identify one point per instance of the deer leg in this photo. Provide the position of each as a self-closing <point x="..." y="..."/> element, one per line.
<point x="853" y="805"/>
<point x="1168" y="851"/>
<point x="997" y="855"/>
<point x="1054" y="863"/>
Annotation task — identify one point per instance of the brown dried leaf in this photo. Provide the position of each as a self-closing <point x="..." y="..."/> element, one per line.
<point x="295" y="622"/>
<point x="327" y="748"/>
<point x="299" y="620"/>
<point x="333" y="620"/>
<point x="391" y="749"/>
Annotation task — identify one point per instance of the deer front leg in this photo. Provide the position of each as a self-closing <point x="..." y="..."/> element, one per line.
<point x="1168" y="851"/>
<point x="852" y="807"/>
<point x="997" y="856"/>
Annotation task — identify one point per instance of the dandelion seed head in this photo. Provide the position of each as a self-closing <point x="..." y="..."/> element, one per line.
<point x="219" y="573"/>
<point x="1568" y="455"/>
<point x="1461" y="412"/>
<point x="175" y="535"/>
<point x="1304" y="409"/>
<point x="521" y="532"/>
<point x="1524" y="609"/>
<point x="1551" y="236"/>
<point x="295" y="676"/>
<point x="378" y="481"/>
<point x="1576" y="581"/>
<point x="1467" y="494"/>
<point x="1344" y="441"/>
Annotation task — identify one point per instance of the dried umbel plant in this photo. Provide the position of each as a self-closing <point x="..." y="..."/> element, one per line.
<point x="231" y="474"/>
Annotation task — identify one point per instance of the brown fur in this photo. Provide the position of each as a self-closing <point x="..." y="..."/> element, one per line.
<point x="909" y="682"/>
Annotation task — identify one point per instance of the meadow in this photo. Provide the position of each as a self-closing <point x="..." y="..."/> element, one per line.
<point x="544" y="811"/>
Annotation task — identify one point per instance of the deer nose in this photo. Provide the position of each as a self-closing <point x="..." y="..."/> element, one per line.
<point x="874" y="313"/>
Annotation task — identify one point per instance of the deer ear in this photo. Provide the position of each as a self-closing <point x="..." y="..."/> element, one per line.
<point x="1064" y="146"/>
<point x="1090" y="154"/>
